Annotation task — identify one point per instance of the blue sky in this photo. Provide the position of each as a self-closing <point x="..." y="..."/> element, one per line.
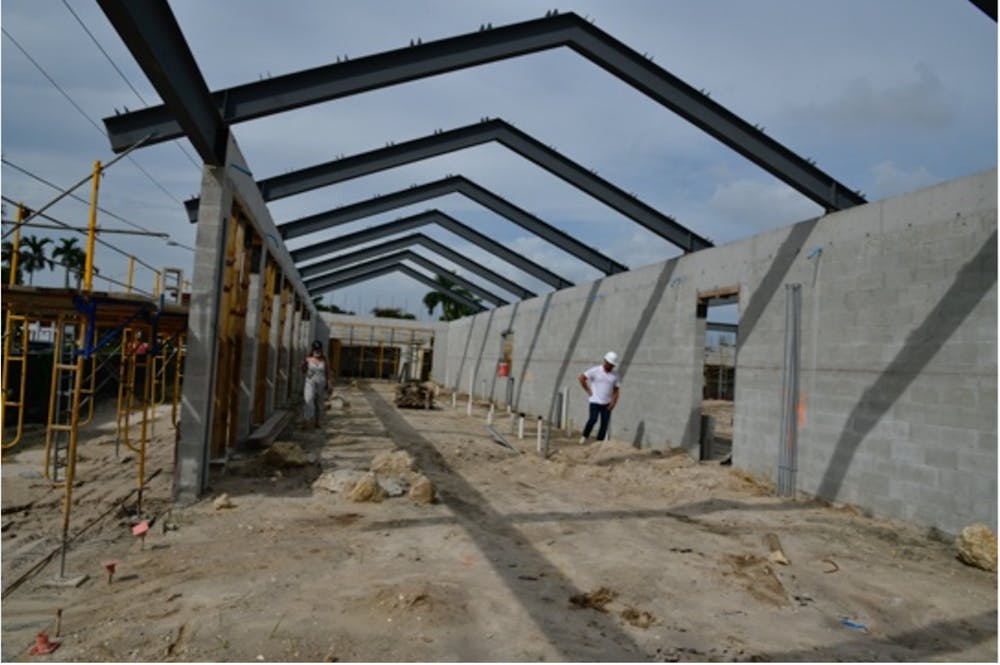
<point x="886" y="96"/>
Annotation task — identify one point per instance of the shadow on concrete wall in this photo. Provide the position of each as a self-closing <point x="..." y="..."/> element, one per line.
<point x="494" y="534"/>
<point x="762" y="295"/>
<point x="510" y="326"/>
<point x="465" y="354"/>
<point x="531" y="347"/>
<point x="971" y="284"/>
<point x="573" y="341"/>
<point x="655" y="296"/>
<point x="482" y="349"/>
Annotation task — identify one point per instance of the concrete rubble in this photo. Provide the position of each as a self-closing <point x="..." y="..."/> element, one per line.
<point x="977" y="546"/>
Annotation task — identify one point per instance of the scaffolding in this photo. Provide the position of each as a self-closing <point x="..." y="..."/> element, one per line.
<point x="87" y="325"/>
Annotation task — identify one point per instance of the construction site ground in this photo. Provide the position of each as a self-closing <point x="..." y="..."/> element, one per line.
<point x="600" y="552"/>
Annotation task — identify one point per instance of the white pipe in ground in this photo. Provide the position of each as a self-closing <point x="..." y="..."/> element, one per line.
<point x="520" y="426"/>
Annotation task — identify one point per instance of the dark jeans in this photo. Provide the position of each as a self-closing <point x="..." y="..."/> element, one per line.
<point x="598" y="410"/>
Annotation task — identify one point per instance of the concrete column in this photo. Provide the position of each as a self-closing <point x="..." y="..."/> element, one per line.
<point x="272" y="357"/>
<point x="248" y="371"/>
<point x="284" y="350"/>
<point x="200" y="363"/>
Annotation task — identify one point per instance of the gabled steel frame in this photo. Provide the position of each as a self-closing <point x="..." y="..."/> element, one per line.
<point x="399" y="257"/>
<point x="405" y="242"/>
<point x="443" y="187"/>
<point x="354" y="166"/>
<point x="284" y="93"/>
<point x="446" y="222"/>
<point x="406" y="270"/>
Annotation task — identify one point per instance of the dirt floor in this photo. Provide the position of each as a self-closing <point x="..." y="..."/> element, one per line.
<point x="600" y="552"/>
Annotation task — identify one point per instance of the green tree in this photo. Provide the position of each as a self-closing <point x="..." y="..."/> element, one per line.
<point x="392" y="313"/>
<point x="8" y="253"/>
<point x="451" y="309"/>
<point x="333" y="309"/>
<point x="33" y="256"/>
<point x="72" y="257"/>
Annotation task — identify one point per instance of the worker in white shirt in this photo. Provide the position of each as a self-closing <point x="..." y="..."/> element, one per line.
<point x="601" y="384"/>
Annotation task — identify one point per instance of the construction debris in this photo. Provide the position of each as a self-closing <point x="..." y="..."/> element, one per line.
<point x="284" y="454"/>
<point x="222" y="502"/>
<point x="422" y="490"/>
<point x="638" y="618"/>
<point x="367" y="489"/>
<point x="977" y="546"/>
<point x="416" y="395"/>
<point x="394" y="462"/>
<point x="777" y="554"/>
<point x="596" y="599"/>
<point x="338" y="481"/>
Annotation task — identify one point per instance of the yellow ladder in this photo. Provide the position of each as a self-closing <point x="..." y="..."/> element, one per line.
<point x="62" y="392"/>
<point x="15" y="323"/>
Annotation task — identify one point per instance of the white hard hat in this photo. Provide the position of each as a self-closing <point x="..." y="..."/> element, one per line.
<point x="611" y="357"/>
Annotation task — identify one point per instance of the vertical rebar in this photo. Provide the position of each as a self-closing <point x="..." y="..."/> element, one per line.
<point x="788" y="443"/>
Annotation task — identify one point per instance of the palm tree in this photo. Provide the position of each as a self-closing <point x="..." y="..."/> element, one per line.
<point x="450" y="308"/>
<point x="73" y="258"/>
<point x="392" y="313"/>
<point x="333" y="309"/>
<point x="33" y="256"/>
<point x="8" y="253"/>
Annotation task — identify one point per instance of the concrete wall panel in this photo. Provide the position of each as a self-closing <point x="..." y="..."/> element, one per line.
<point x="898" y="351"/>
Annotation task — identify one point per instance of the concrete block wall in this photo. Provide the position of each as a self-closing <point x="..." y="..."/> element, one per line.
<point x="897" y="372"/>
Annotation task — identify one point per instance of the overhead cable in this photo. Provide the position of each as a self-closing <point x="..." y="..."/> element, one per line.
<point x="124" y="78"/>
<point x="83" y="113"/>
<point x="71" y="228"/>
<point x="80" y="199"/>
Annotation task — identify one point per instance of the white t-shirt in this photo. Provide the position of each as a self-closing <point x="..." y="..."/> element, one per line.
<point x="602" y="384"/>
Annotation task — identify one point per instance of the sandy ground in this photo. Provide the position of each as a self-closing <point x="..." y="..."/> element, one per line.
<point x="670" y="554"/>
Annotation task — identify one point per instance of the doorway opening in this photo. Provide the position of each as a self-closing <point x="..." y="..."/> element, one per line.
<point x="720" y="309"/>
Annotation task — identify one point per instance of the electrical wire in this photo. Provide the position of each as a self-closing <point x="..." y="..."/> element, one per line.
<point x="124" y="78"/>
<point x="66" y="192"/>
<point x="74" y="196"/>
<point x="97" y="240"/>
<point x="35" y="225"/>
<point x="110" y="280"/>
<point x="83" y="113"/>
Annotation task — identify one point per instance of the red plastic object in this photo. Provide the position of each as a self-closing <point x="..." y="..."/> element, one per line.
<point x="140" y="529"/>
<point x="43" y="645"/>
<point x="503" y="369"/>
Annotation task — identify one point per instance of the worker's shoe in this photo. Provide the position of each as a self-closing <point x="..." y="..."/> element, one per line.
<point x="583" y="440"/>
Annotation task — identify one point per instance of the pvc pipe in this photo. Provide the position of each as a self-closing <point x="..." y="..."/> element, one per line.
<point x="489" y="415"/>
<point x="538" y="435"/>
<point x="520" y="426"/>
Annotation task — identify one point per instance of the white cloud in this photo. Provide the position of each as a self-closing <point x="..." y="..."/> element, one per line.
<point x="751" y="206"/>
<point x="890" y="180"/>
<point x="921" y="103"/>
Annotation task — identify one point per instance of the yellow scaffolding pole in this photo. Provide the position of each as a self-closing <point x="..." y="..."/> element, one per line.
<point x="78" y="378"/>
<point x="7" y="343"/>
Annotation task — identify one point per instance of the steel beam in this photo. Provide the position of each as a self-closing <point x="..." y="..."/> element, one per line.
<point x="332" y="81"/>
<point x="443" y="220"/>
<point x="399" y="257"/>
<point x="155" y="40"/>
<point x="443" y="187"/>
<point x="406" y="270"/>
<point x="406" y="242"/>
<point x="329" y="173"/>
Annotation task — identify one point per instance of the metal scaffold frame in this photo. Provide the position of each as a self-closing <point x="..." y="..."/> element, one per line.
<point x="85" y="322"/>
